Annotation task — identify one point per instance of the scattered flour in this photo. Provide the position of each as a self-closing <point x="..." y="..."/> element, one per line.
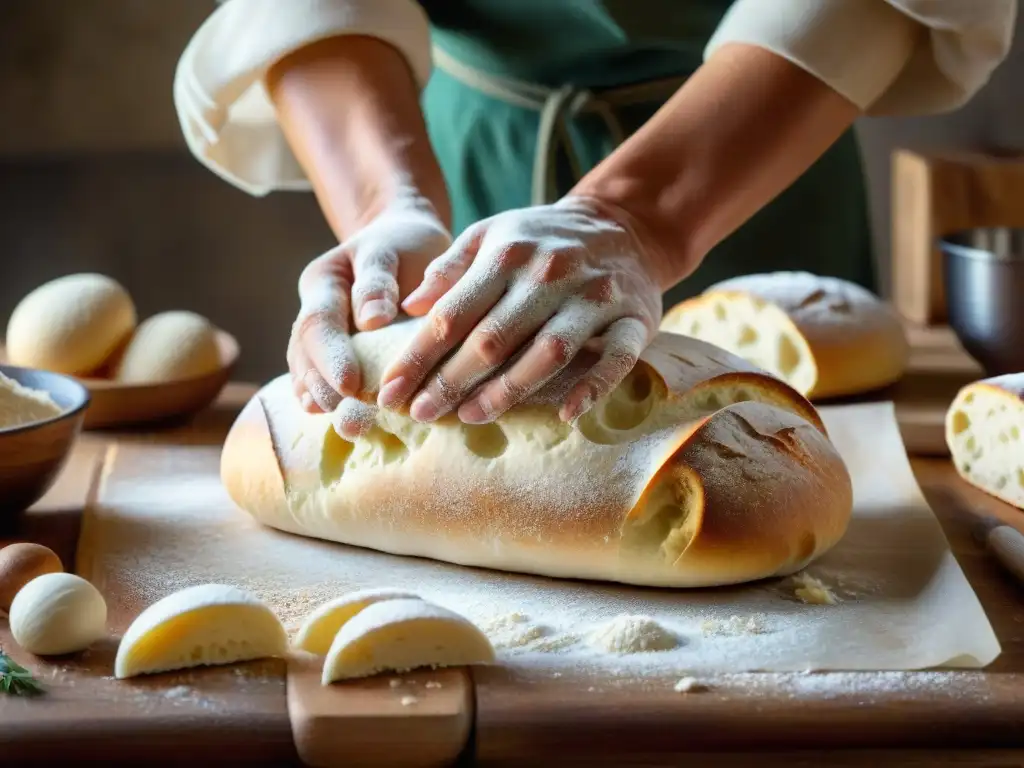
<point x="689" y="685"/>
<point x="395" y="683"/>
<point x="433" y="684"/>
<point x="812" y="590"/>
<point x="179" y="528"/>
<point x="734" y="626"/>
<point x="512" y="630"/>
<point x="178" y="692"/>
<point x="20" y="405"/>
<point x="864" y="685"/>
<point x="556" y="644"/>
<point x="408" y="701"/>
<point x="633" y="634"/>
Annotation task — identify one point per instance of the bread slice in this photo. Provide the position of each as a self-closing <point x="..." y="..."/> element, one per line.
<point x="985" y="434"/>
<point x="698" y="470"/>
<point x="824" y="336"/>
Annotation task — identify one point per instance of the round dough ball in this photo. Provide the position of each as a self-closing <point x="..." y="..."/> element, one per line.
<point x="19" y="564"/>
<point x="70" y="325"/>
<point x="168" y="347"/>
<point x="58" y="613"/>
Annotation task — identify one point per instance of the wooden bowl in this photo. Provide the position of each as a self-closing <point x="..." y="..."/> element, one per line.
<point x="115" y="404"/>
<point x="32" y="455"/>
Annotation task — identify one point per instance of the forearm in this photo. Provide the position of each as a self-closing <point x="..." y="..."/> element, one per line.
<point x="741" y="130"/>
<point x="350" y="111"/>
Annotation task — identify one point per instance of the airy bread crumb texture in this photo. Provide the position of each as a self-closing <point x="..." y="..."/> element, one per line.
<point x="620" y="495"/>
<point x="985" y="434"/>
<point x="755" y="329"/>
<point x="825" y="336"/>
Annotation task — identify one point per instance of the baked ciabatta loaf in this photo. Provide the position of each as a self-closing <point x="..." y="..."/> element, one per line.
<point x="698" y="470"/>
<point x="985" y="435"/>
<point x="824" y="336"/>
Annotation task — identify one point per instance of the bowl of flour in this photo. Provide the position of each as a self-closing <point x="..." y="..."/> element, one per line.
<point x="41" y="415"/>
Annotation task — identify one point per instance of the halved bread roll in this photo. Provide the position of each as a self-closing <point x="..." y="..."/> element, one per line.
<point x="824" y="336"/>
<point x="985" y="434"/>
<point x="696" y="471"/>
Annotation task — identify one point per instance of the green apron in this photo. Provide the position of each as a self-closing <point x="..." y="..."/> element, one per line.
<point x="528" y="95"/>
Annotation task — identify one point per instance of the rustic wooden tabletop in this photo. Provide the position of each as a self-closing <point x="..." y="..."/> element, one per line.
<point x="957" y="718"/>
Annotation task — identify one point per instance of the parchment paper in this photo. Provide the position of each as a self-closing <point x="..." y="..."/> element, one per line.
<point x="164" y="522"/>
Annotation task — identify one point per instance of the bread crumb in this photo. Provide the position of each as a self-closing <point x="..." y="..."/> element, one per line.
<point x="689" y="685"/>
<point x="395" y="683"/>
<point x="433" y="684"/>
<point x="408" y="701"/>
<point x="633" y="634"/>
<point x="812" y="591"/>
<point x="178" y="692"/>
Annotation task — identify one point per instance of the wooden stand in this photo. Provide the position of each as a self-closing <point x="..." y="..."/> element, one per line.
<point x="935" y="194"/>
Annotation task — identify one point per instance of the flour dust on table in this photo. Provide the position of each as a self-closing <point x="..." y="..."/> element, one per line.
<point x="164" y="522"/>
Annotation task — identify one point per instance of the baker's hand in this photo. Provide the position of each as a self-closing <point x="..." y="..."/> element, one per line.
<point x="363" y="279"/>
<point x="536" y="284"/>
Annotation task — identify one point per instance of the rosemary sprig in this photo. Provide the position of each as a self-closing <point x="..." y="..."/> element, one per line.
<point x="15" y="680"/>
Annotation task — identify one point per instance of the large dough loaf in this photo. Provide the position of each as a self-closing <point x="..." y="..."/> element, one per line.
<point x="698" y="470"/>
<point x="824" y="336"/>
<point x="985" y="434"/>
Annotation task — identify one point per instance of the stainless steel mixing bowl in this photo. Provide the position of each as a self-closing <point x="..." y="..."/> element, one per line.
<point x="984" y="281"/>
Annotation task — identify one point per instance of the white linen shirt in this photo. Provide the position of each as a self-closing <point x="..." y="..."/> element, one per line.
<point x="889" y="57"/>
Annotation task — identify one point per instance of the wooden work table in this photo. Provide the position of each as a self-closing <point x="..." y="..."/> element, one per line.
<point x="969" y="718"/>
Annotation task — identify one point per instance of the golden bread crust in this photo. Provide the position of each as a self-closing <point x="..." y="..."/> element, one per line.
<point x="857" y="341"/>
<point x="530" y="494"/>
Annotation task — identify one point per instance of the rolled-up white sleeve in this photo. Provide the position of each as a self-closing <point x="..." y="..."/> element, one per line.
<point x="225" y="112"/>
<point x="889" y="57"/>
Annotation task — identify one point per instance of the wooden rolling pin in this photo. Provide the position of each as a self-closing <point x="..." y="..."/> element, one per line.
<point x="1005" y="543"/>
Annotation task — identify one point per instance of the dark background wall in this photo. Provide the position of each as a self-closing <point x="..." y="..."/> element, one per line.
<point x="94" y="174"/>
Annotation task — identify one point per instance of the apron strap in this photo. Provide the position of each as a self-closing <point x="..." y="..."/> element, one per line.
<point x="557" y="108"/>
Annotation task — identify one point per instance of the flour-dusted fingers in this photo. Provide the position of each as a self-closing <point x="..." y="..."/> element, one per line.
<point x="445" y="271"/>
<point x="306" y="380"/>
<point x="449" y="322"/>
<point x="551" y="350"/>
<point x="530" y="265"/>
<point x="375" y="288"/>
<point x="353" y="418"/>
<point x="624" y="341"/>
<point x="505" y="330"/>
<point x="322" y="326"/>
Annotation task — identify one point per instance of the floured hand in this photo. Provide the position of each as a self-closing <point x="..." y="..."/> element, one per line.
<point x="520" y="294"/>
<point x="363" y="279"/>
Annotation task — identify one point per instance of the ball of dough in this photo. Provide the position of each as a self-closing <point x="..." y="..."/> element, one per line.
<point x="58" y="613"/>
<point x="19" y="564"/>
<point x="70" y="325"/>
<point x="168" y="347"/>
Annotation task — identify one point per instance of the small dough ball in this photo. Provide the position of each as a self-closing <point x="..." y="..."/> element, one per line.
<point x="70" y="325"/>
<point x="19" y="564"/>
<point x="58" y="613"/>
<point x="168" y="347"/>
